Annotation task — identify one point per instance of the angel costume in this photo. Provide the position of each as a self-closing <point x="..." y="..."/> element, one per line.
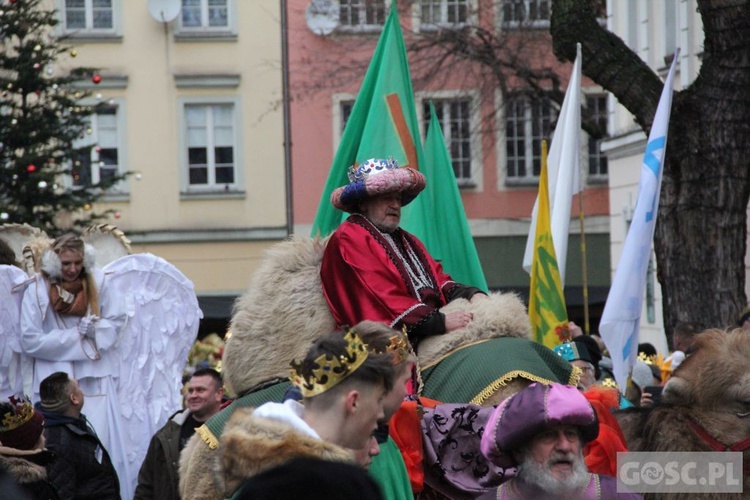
<point x="130" y="366"/>
<point x="53" y="340"/>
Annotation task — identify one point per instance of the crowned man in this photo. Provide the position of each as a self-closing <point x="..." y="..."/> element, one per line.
<point x="343" y="385"/>
<point x="372" y="269"/>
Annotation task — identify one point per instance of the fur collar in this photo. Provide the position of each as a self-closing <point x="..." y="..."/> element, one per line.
<point x="250" y="445"/>
<point x="23" y="465"/>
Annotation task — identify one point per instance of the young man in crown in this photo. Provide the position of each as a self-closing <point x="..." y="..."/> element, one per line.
<point x="372" y="269"/>
<point x="343" y="385"/>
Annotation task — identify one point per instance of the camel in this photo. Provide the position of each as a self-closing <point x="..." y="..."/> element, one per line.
<point x="284" y="311"/>
<point x="705" y="405"/>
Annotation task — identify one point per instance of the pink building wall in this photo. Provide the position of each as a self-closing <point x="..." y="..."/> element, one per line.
<point x="312" y="124"/>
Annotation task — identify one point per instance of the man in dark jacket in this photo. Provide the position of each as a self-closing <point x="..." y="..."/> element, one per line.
<point x="82" y="468"/>
<point x="158" y="477"/>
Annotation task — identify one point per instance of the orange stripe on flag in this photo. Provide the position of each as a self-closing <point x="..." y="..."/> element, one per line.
<point x="399" y="121"/>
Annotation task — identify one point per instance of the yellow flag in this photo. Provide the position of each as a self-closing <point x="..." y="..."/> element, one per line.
<point x="549" y="318"/>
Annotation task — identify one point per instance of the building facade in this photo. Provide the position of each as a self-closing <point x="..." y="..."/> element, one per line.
<point x="195" y="111"/>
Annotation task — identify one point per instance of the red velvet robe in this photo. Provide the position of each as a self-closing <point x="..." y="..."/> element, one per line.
<point x="365" y="276"/>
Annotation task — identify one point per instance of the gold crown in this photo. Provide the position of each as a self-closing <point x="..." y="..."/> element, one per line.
<point x="399" y="347"/>
<point x="330" y="370"/>
<point x="21" y="412"/>
<point x="649" y="360"/>
<point x="609" y="382"/>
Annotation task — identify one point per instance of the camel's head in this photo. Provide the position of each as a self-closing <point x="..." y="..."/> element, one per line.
<point x="715" y="375"/>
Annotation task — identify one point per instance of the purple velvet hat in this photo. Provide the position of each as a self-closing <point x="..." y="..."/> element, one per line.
<point x="528" y="412"/>
<point x="375" y="177"/>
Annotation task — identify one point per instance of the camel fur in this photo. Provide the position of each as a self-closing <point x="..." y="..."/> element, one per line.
<point x="279" y="316"/>
<point x="502" y="315"/>
<point x="711" y="387"/>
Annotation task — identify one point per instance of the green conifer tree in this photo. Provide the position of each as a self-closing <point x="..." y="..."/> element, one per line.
<point x="45" y="179"/>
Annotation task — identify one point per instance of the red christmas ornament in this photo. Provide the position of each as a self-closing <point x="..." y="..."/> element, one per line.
<point x="96" y="78"/>
<point x="31" y="168"/>
<point x="12" y="1"/>
<point x="117" y="215"/>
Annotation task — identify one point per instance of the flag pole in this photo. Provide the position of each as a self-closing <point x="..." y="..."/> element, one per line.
<point x="584" y="270"/>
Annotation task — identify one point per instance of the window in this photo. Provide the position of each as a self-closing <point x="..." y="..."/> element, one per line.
<point x="443" y="12"/>
<point x="365" y="15"/>
<point x="89" y="16"/>
<point x="533" y="12"/>
<point x="205" y="15"/>
<point x="671" y="20"/>
<point x="597" y="105"/>
<point x="346" y="111"/>
<point x="104" y="159"/>
<point x="210" y="142"/>
<point x="527" y="122"/>
<point x="455" y="120"/>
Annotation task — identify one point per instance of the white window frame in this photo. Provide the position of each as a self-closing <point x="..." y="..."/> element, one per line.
<point x="420" y="25"/>
<point x="363" y="27"/>
<point x="536" y="23"/>
<point x="212" y="188"/>
<point x="338" y="102"/>
<point x="89" y="30"/>
<point x="445" y="98"/>
<point x="528" y="138"/>
<point x="93" y="139"/>
<point x="206" y="30"/>
<point x="670" y="33"/>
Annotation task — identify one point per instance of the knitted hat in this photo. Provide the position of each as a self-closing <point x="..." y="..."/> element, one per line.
<point x="20" y="424"/>
<point x="641" y="375"/>
<point x="530" y="411"/>
<point x="376" y="177"/>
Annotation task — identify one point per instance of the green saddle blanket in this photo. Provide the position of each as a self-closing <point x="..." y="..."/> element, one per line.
<point x="472" y="373"/>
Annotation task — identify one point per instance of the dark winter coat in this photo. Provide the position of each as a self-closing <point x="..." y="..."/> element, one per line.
<point x="27" y="468"/>
<point x="82" y="468"/>
<point x="158" y="477"/>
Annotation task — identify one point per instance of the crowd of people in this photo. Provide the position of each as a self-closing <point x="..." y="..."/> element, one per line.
<point x="332" y="434"/>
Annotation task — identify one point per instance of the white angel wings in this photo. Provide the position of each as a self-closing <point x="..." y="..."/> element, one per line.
<point x="159" y="311"/>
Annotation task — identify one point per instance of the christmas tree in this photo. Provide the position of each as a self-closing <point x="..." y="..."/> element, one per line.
<point x="45" y="175"/>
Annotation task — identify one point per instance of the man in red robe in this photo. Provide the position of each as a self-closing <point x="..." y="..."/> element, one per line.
<point x="372" y="269"/>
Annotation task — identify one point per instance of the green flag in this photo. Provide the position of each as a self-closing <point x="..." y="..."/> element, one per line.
<point x="383" y="123"/>
<point x="456" y="246"/>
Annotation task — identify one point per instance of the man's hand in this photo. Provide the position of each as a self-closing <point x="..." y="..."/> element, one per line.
<point x="575" y="330"/>
<point x="646" y="400"/>
<point x="478" y="297"/>
<point x="457" y="319"/>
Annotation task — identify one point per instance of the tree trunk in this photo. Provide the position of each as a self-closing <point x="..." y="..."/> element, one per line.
<point x="701" y="230"/>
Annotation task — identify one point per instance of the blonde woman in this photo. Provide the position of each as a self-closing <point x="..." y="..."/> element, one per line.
<point x="65" y="328"/>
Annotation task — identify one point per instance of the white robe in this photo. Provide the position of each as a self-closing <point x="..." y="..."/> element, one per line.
<point x="55" y="344"/>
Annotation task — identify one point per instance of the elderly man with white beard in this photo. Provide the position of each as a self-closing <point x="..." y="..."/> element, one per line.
<point x="542" y="430"/>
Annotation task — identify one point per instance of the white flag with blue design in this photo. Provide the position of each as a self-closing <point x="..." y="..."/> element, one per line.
<point x="622" y="313"/>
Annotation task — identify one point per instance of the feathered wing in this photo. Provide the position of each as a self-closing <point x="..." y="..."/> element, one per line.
<point x="161" y="323"/>
<point x="27" y="242"/>
<point x="110" y="243"/>
<point x="15" y="367"/>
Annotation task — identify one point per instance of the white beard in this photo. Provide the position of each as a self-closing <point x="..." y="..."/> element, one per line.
<point x="540" y="475"/>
